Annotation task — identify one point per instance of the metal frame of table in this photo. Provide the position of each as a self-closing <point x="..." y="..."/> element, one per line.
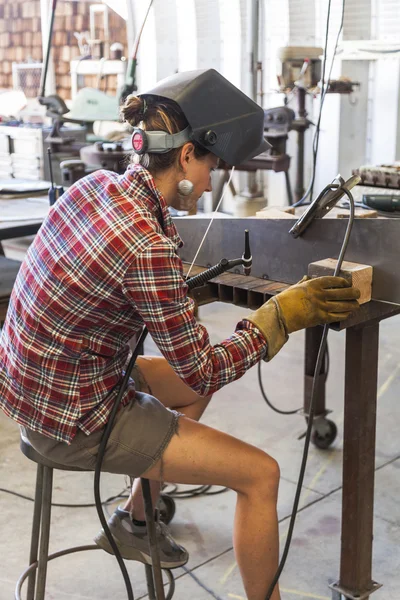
<point x="360" y="399"/>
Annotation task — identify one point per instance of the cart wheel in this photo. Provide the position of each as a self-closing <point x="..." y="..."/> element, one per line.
<point x="166" y="507"/>
<point x="324" y="434"/>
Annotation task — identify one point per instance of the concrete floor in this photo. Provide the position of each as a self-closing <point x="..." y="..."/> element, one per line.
<point x="204" y="524"/>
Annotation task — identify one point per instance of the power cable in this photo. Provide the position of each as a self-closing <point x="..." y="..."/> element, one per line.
<point x="326" y="87"/>
<point x="269" y="403"/>
<point x="60" y="505"/>
<point x="317" y="370"/>
<point x="202" y="490"/>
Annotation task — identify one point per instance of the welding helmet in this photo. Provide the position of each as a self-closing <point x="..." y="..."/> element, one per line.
<point x="221" y="118"/>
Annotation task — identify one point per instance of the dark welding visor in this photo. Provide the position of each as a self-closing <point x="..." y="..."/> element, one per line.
<point x="222" y="118"/>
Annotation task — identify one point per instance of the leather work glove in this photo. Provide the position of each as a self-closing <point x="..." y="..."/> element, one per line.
<point x="308" y="303"/>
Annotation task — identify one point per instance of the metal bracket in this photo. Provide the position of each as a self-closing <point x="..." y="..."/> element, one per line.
<point x="321" y="415"/>
<point x="340" y="593"/>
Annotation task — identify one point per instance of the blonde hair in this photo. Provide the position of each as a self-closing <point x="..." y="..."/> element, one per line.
<point x="157" y="114"/>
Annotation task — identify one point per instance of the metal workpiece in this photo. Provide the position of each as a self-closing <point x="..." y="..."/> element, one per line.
<point x="241" y="290"/>
<point x="278" y="256"/>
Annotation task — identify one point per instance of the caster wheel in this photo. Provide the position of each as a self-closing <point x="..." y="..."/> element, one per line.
<point x="324" y="434"/>
<point x="166" y="507"/>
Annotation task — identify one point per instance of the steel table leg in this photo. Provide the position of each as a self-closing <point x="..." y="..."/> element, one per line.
<point x="359" y="462"/>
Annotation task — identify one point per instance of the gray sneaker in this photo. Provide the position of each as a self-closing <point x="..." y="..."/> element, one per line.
<point x="133" y="542"/>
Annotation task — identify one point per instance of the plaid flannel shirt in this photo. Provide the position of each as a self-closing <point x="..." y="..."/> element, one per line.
<point x="103" y="264"/>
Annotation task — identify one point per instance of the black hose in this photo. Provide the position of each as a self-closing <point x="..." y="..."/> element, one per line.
<point x="99" y="461"/>
<point x="318" y="365"/>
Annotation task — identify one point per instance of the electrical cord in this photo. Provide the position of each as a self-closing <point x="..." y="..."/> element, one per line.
<point x="317" y="370"/>
<point x="202" y="490"/>
<point x="318" y="125"/>
<point x="325" y="86"/>
<point x="277" y="410"/>
<point x="60" y="505"/>
<point x="99" y="461"/>
<point x="268" y="401"/>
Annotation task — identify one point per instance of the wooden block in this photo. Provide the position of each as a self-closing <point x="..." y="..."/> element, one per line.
<point x="290" y="210"/>
<point x="360" y="276"/>
<point x="273" y="212"/>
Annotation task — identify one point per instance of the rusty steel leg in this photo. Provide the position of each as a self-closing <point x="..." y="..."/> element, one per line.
<point x="359" y="462"/>
<point x="312" y="343"/>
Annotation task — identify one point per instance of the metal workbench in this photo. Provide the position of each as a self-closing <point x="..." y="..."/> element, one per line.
<point x="280" y="260"/>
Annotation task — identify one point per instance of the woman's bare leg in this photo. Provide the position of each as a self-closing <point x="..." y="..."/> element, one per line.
<point x="201" y="455"/>
<point x="160" y="380"/>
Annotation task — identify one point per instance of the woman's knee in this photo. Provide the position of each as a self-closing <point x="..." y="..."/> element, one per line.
<point x="264" y="476"/>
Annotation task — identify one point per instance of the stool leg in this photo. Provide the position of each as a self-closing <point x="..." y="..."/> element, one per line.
<point x="45" y="532"/>
<point x="150" y="582"/>
<point x="151" y="530"/>
<point x="37" y="510"/>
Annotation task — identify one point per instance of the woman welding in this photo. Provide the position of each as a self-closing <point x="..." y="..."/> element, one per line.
<point x="104" y="263"/>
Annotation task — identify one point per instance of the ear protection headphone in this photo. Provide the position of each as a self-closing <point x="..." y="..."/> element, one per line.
<point x="158" y="142"/>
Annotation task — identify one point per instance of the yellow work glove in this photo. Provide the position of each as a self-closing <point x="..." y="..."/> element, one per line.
<point x="308" y="303"/>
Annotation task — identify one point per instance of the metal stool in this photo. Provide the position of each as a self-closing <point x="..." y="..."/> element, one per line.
<point x="39" y="551"/>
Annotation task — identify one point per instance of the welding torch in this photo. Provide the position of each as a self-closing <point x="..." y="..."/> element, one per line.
<point x="246" y="261"/>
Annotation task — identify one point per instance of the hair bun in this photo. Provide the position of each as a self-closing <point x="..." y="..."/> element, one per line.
<point x="133" y="110"/>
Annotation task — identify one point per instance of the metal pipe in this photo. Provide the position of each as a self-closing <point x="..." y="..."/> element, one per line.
<point x="37" y="513"/>
<point x="44" y="532"/>
<point x="48" y="67"/>
<point x="299" y="189"/>
<point x="253" y="14"/>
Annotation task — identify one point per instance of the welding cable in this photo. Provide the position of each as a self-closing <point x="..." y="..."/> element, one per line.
<point x="278" y="410"/>
<point x="211" y="221"/>
<point x="201" y="490"/>
<point x="268" y="401"/>
<point x="324" y="90"/>
<point x="317" y="370"/>
<point x="192" y="282"/>
<point x="99" y="462"/>
<point x="318" y="126"/>
<point x="109" y="500"/>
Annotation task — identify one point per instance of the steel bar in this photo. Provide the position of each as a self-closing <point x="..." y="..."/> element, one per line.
<point x="44" y="532"/>
<point x="37" y="512"/>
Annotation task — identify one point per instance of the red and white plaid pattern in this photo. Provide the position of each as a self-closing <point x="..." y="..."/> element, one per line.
<point x="103" y="263"/>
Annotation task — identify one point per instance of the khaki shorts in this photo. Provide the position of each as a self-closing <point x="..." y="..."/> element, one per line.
<point x="141" y="432"/>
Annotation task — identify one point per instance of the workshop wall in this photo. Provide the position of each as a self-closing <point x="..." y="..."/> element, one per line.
<point x="21" y="39"/>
